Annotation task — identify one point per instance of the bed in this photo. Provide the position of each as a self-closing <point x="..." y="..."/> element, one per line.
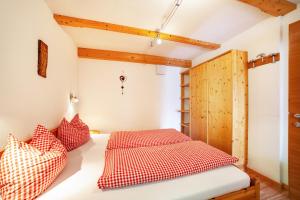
<point x="85" y="164"/>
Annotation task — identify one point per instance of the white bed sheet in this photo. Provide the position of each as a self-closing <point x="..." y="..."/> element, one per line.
<point x="78" y="181"/>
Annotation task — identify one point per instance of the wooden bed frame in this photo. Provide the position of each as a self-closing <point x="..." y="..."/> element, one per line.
<point x="250" y="193"/>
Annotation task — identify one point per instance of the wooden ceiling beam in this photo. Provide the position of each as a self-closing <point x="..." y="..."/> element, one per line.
<point x="132" y="57"/>
<point x="85" y="23"/>
<point x="273" y="7"/>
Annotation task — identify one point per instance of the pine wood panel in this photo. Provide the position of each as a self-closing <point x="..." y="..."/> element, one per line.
<point x="132" y="57"/>
<point x="85" y="23"/>
<point x="294" y="108"/>
<point x="240" y="108"/>
<point x="220" y="103"/>
<point x="275" y="8"/>
<point x="199" y="103"/>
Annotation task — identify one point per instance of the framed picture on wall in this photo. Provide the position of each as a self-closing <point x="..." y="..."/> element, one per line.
<point x="42" y="58"/>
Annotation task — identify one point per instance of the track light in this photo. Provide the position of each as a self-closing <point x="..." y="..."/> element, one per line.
<point x="158" y="41"/>
<point x="171" y="12"/>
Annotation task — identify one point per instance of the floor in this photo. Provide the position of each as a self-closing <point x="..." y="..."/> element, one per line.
<point x="268" y="189"/>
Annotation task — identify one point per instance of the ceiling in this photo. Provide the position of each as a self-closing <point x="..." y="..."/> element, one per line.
<point x="208" y="20"/>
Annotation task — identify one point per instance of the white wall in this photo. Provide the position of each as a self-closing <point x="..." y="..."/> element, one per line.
<point x="150" y="101"/>
<point x="268" y="132"/>
<point x="26" y="98"/>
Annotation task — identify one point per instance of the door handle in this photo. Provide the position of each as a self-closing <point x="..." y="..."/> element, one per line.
<point x="297" y="124"/>
<point x="297" y="116"/>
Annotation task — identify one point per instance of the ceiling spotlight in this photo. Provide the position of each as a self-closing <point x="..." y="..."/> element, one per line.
<point x="158" y="41"/>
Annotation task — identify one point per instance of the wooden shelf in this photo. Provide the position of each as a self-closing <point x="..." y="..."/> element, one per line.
<point x="185" y="125"/>
<point x="185" y="85"/>
<point x="184" y="111"/>
<point x="185" y="98"/>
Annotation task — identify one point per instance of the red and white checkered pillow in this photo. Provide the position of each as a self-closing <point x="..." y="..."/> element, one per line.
<point x="72" y="136"/>
<point x="156" y="137"/>
<point x="124" y="167"/>
<point x="29" y="169"/>
<point x="77" y="122"/>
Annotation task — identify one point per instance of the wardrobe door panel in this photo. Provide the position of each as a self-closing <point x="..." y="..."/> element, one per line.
<point x="220" y="103"/>
<point x="240" y="106"/>
<point x="199" y="103"/>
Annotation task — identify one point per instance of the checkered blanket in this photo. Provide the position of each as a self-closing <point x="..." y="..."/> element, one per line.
<point x="157" y="137"/>
<point x="131" y="166"/>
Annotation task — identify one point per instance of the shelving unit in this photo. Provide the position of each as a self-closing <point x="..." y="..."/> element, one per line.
<point x="185" y="125"/>
<point x="185" y="102"/>
<point x="185" y="98"/>
<point x="186" y="85"/>
<point x="184" y="111"/>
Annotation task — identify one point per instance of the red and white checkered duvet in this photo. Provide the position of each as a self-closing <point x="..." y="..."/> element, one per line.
<point x="157" y="137"/>
<point x="124" y="167"/>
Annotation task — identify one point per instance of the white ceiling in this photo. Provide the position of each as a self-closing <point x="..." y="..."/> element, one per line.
<point x="209" y="20"/>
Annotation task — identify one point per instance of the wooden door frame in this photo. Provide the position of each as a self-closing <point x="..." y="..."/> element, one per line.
<point x="289" y="111"/>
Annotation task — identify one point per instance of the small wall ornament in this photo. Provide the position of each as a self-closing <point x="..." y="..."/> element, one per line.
<point x="122" y="78"/>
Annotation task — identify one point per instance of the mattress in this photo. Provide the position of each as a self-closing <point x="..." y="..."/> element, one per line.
<point x="85" y="165"/>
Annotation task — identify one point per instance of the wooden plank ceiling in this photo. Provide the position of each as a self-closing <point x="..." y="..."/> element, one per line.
<point x="273" y="7"/>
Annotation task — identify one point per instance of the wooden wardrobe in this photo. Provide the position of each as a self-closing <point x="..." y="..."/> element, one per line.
<point x="218" y="112"/>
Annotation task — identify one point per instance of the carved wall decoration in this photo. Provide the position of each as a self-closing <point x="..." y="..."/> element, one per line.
<point x="42" y="58"/>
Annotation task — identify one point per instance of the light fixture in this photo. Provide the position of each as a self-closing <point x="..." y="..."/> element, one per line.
<point x="73" y="98"/>
<point x="158" y="41"/>
<point x="167" y="18"/>
<point x="171" y="12"/>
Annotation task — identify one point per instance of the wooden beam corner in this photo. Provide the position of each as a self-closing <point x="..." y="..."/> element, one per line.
<point x="273" y="7"/>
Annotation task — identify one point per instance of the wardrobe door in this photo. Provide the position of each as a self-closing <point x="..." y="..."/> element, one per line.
<point x="240" y="106"/>
<point x="220" y="103"/>
<point x="199" y="103"/>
